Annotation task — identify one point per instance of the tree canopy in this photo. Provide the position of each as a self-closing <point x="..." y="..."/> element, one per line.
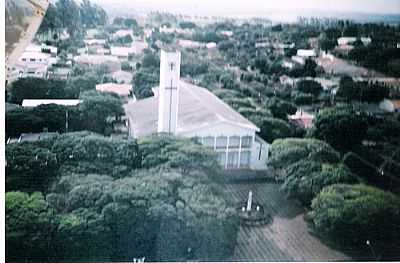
<point x="343" y="128"/>
<point x="353" y="214"/>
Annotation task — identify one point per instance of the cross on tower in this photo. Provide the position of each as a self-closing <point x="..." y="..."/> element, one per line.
<point x="171" y="88"/>
<point x="172" y="65"/>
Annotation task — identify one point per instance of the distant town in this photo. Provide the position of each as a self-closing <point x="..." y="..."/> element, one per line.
<point x="173" y="137"/>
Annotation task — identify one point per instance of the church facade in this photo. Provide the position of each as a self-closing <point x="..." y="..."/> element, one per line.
<point x="186" y="110"/>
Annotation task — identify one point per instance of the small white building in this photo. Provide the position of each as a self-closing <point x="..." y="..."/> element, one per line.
<point x="226" y="33"/>
<point x="190" y="44"/>
<point x="122" y="90"/>
<point x="113" y="63"/>
<point x="211" y="45"/>
<point x="122" y="76"/>
<point x="302" y="119"/>
<point x="390" y="105"/>
<point x="138" y="46"/>
<point x="298" y="59"/>
<point x="191" y="111"/>
<point x="262" y="44"/>
<point x="121" y="52"/>
<point x="37" y="102"/>
<point x="346" y="40"/>
<point x="123" y="33"/>
<point x="306" y="53"/>
<point x="95" y="42"/>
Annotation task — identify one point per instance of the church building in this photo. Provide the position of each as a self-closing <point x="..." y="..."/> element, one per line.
<point x="186" y="110"/>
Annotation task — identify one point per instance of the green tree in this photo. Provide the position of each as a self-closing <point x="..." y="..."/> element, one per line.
<point x="343" y="128"/>
<point x="285" y="152"/>
<point x="310" y="87"/>
<point x="29" y="167"/>
<point x="280" y="108"/>
<point x="353" y="214"/>
<point x="100" y="109"/>
<point x="176" y="153"/>
<point x="305" y="179"/>
<point x="36" y="88"/>
<point x="28" y="227"/>
<point x="273" y="128"/>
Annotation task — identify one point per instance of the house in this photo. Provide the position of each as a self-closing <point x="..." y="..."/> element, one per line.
<point x="226" y="33"/>
<point x="60" y="73"/>
<point x="287" y="64"/>
<point x="346" y="40"/>
<point x="187" y="110"/>
<point x="190" y="44"/>
<point x="37" y="102"/>
<point x="123" y="33"/>
<point x="122" y="90"/>
<point x="286" y="80"/>
<point x="138" y="46"/>
<point x="299" y="60"/>
<point x="302" y="119"/>
<point x="32" y="137"/>
<point x="121" y="52"/>
<point x="284" y="45"/>
<point x="262" y="44"/>
<point x="170" y="30"/>
<point x="111" y="62"/>
<point x="344" y="49"/>
<point x="95" y="42"/>
<point x="366" y="41"/>
<point x="94" y="45"/>
<point x="390" y="105"/>
<point x="211" y="45"/>
<point x="306" y="53"/>
<point x="42" y="49"/>
<point x="122" y="77"/>
<point x="25" y="70"/>
<point x="91" y="33"/>
<point x="343" y="41"/>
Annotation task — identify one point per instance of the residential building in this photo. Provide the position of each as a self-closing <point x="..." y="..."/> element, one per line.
<point x="390" y="105"/>
<point x="122" y="76"/>
<point x="302" y="119"/>
<point x="187" y="110"/>
<point x="122" y="90"/>
<point x="306" y="53"/>
<point x="190" y="44"/>
<point x="112" y="62"/>
<point x="346" y="40"/>
<point x="60" y="73"/>
<point x="37" y="102"/>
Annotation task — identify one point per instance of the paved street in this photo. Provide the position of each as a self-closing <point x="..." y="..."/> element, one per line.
<point x="287" y="238"/>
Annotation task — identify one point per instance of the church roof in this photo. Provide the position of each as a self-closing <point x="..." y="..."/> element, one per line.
<point x="197" y="108"/>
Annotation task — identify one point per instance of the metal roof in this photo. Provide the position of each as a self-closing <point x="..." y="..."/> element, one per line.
<point x="37" y="102"/>
<point x="198" y="108"/>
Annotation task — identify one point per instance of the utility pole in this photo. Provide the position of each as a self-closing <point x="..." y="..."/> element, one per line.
<point x="66" y="120"/>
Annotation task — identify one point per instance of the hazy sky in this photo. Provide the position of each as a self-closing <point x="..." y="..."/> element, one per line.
<point x="257" y="6"/>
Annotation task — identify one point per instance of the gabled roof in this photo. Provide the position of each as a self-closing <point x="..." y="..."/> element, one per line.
<point x="198" y="108"/>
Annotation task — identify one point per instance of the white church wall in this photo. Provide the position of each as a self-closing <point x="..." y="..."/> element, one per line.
<point x="260" y="154"/>
<point x="229" y="141"/>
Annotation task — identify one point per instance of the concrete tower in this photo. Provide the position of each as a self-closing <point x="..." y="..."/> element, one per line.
<point x="168" y="97"/>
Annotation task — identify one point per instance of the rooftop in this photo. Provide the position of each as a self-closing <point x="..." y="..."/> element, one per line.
<point x="119" y="89"/>
<point x="198" y="108"/>
<point x="37" y="102"/>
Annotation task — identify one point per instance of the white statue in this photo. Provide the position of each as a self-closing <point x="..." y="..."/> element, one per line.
<point x="249" y="201"/>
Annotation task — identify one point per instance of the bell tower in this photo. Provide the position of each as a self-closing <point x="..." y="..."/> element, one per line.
<point x="168" y="97"/>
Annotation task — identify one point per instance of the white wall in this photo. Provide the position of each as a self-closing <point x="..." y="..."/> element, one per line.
<point x="259" y="148"/>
